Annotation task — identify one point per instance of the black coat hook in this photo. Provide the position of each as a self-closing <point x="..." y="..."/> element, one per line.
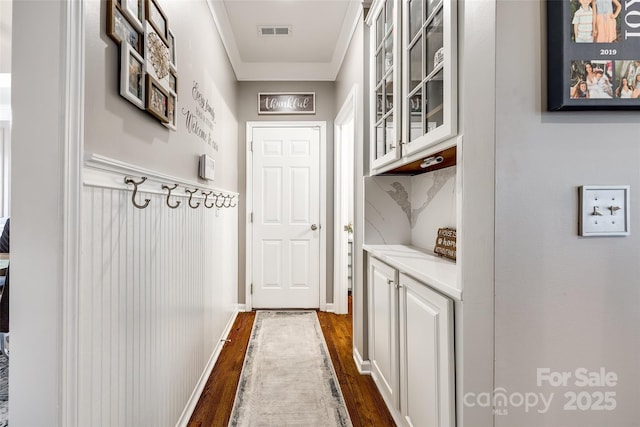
<point x="218" y="196"/>
<point x="169" y="189"/>
<point x="227" y="200"/>
<point x="205" y="200"/>
<point x="129" y="180"/>
<point x="233" y="205"/>
<point x="190" y="196"/>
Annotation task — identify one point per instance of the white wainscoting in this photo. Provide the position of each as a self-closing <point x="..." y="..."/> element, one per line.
<point x="158" y="292"/>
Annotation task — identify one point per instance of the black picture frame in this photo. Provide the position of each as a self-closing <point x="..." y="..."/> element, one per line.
<point x="597" y="64"/>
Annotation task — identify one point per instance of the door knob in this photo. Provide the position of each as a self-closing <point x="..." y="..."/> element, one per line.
<point x="314" y="227"/>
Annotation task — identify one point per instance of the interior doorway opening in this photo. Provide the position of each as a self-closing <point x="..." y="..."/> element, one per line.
<point x="344" y="203"/>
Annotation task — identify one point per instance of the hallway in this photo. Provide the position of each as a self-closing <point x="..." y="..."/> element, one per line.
<point x="366" y="406"/>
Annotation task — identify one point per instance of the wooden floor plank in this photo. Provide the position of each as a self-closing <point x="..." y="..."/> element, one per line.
<point x="216" y="402"/>
<point x="364" y="403"/>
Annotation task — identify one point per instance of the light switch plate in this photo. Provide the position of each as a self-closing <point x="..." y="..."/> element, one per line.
<point x="604" y="210"/>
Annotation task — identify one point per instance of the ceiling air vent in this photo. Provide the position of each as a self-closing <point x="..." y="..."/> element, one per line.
<point x="270" y="30"/>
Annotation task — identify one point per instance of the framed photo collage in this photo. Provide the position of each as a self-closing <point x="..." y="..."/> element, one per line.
<point x="148" y="71"/>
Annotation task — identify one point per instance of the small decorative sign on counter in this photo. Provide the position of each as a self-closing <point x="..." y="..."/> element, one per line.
<point x="446" y="243"/>
<point x="287" y="103"/>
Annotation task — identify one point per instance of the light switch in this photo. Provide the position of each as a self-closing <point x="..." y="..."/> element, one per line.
<point x="604" y="210"/>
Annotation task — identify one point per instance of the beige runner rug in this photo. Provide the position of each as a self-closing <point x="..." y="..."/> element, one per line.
<point x="288" y="378"/>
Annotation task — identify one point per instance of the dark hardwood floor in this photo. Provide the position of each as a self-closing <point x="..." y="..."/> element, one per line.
<point x="365" y="405"/>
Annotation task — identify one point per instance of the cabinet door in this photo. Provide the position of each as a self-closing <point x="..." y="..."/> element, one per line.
<point x="429" y="73"/>
<point x="385" y="87"/>
<point x="383" y="327"/>
<point x="426" y="356"/>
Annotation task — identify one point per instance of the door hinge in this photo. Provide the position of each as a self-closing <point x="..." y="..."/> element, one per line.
<point x="251" y="146"/>
<point x="251" y="289"/>
<point x="251" y="217"/>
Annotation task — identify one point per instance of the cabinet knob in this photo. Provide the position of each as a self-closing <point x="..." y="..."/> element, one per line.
<point x="389" y="282"/>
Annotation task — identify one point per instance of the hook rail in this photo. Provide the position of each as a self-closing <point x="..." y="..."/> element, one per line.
<point x="211" y="199"/>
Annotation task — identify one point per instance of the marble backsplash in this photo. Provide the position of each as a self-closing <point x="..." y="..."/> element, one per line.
<point x="409" y="210"/>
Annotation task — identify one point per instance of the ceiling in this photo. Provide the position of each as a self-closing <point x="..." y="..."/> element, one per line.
<point x="320" y="31"/>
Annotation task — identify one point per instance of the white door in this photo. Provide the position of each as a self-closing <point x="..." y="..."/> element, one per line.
<point x="286" y="213"/>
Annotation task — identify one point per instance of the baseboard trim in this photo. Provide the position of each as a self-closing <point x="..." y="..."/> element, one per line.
<point x="364" y="366"/>
<point x="395" y="413"/>
<point x="241" y="308"/>
<point x="197" y="391"/>
<point x="329" y="308"/>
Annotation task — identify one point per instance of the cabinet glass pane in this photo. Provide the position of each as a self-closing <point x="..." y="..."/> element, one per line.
<point x="389" y="104"/>
<point x="389" y="92"/>
<point x="415" y="116"/>
<point x="415" y="65"/>
<point x="380" y="148"/>
<point x="379" y="59"/>
<point x="415" y="17"/>
<point x="388" y="54"/>
<point x="390" y="133"/>
<point x="434" y="112"/>
<point x="379" y="103"/>
<point x="432" y="5"/>
<point x="379" y="29"/>
<point x="434" y="42"/>
<point x="388" y="15"/>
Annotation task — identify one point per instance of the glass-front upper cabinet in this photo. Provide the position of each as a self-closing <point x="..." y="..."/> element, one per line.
<point x="429" y="73"/>
<point x="385" y="72"/>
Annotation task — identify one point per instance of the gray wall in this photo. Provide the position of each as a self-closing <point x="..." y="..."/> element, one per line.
<point x="116" y="128"/>
<point x="352" y="75"/>
<point x="113" y="127"/>
<point x="247" y="112"/>
<point x="562" y="301"/>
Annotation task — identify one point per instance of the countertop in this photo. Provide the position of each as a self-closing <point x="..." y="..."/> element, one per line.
<point x="437" y="272"/>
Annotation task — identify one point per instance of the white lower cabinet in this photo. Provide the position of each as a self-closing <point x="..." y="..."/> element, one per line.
<point x="411" y="347"/>
<point x="426" y="356"/>
<point x="383" y="329"/>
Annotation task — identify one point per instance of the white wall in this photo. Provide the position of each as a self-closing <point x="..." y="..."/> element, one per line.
<point x="36" y="223"/>
<point x="5" y="35"/>
<point x="562" y="301"/>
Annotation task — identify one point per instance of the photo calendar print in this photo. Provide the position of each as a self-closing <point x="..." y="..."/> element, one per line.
<point x="593" y="55"/>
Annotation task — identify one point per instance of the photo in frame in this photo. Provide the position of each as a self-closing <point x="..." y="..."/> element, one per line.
<point x="173" y="80"/>
<point x="157" y="18"/>
<point x="172" y="100"/>
<point x="120" y="28"/>
<point x="134" y="9"/>
<point x="593" y="55"/>
<point x="172" y="48"/>
<point x="157" y="99"/>
<point x="132" y="74"/>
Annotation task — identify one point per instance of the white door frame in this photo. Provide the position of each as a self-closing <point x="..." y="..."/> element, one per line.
<point x="340" y="289"/>
<point x="323" y="206"/>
